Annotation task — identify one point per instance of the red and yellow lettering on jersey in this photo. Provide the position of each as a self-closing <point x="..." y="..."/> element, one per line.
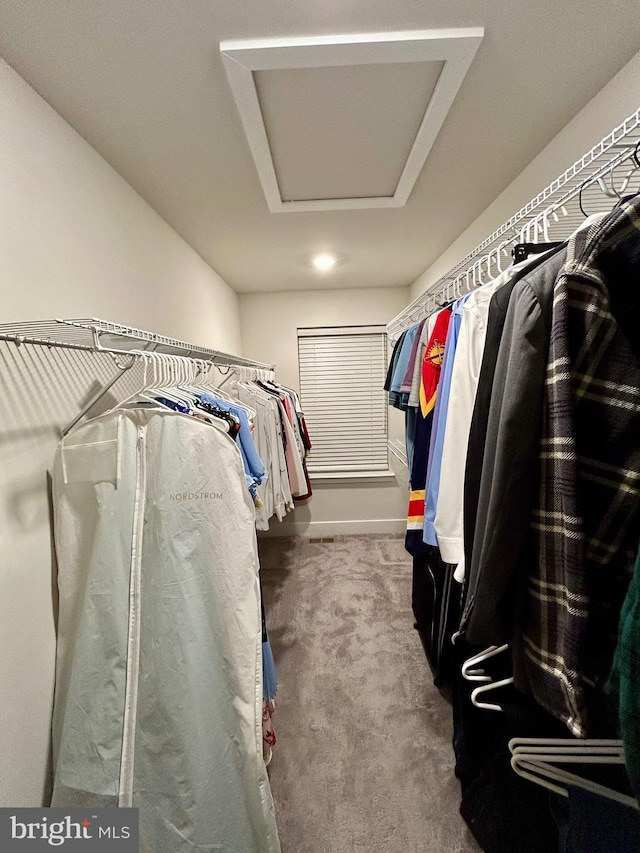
<point x="432" y="363"/>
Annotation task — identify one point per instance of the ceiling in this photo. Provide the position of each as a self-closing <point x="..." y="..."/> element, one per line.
<point x="335" y="95"/>
<point x="144" y="83"/>
<point x="379" y="112"/>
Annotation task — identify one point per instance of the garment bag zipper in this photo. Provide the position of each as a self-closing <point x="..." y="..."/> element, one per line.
<point x="127" y="761"/>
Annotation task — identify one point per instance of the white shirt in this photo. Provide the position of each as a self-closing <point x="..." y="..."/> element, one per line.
<point x="464" y="384"/>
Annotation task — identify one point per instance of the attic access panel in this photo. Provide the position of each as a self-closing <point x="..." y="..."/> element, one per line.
<point x="429" y="67"/>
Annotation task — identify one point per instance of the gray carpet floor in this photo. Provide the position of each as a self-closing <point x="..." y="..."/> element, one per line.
<point x="363" y="760"/>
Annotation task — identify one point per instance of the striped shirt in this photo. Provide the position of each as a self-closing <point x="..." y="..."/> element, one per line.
<point x="586" y="522"/>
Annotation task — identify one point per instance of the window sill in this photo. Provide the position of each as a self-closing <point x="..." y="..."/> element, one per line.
<point x="351" y="476"/>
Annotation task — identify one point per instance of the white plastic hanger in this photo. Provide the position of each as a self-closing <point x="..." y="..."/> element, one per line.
<point x="547" y="746"/>
<point x="149" y="380"/>
<point x="170" y="369"/>
<point x="535" y="759"/>
<point x="487" y="688"/>
<point x="469" y="671"/>
<point x="472" y="672"/>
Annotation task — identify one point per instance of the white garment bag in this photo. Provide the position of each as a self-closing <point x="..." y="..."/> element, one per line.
<point x="158" y="698"/>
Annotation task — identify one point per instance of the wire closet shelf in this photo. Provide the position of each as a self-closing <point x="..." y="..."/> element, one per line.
<point x="116" y="340"/>
<point x="609" y="168"/>
<point x="95" y="335"/>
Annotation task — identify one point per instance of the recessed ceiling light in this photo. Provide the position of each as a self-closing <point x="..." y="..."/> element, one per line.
<point x="324" y="262"/>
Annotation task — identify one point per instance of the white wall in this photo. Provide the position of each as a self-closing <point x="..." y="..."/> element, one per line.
<point x="75" y="241"/>
<point x="269" y="327"/>
<point x="618" y="99"/>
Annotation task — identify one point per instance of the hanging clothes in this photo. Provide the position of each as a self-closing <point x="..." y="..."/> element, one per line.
<point x="282" y="438"/>
<point x="253" y="464"/>
<point x="430" y="378"/>
<point x="557" y="476"/>
<point x="275" y="491"/>
<point x="302" y="439"/>
<point x="464" y="382"/>
<point x="502" y="457"/>
<point x="407" y="380"/>
<point x="586" y="518"/>
<point x="431" y="594"/>
<point x="498" y="308"/>
<point x="392" y="367"/>
<point x="293" y="444"/>
<point x="533" y="493"/>
<point x="160" y="635"/>
<point x="417" y="379"/>
<point x="434" y="470"/>
<point x="403" y="349"/>
<point x="624" y="681"/>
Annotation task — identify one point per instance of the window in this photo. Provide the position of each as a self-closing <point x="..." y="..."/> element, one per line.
<point x="342" y="375"/>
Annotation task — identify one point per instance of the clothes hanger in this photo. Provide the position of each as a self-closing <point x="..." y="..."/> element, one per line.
<point x="500" y="250"/>
<point x="601" y="185"/>
<point x="487" y="688"/>
<point x="546" y="774"/>
<point x="251" y="384"/>
<point x="144" y="394"/>
<point x="178" y="368"/>
<point x="208" y="399"/>
<point x="570" y="746"/>
<point x="216" y="392"/>
<point x="469" y="670"/>
<point x="627" y="178"/>
<point x="234" y="372"/>
<point x="192" y="371"/>
<point x="188" y="383"/>
<point x="230" y="373"/>
<point x="470" y="674"/>
<point x="552" y="211"/>
<point x="494" y="257"/>
<point x="528" y="243"/>
<point x="160" y="374"/>
<point x="478" y="273"/>
<point x="169" y="389"/>
<point x="171" y="376"/>
<point x="246" y="379"/>
<point x="478" y="658"/>
<point x="209" y="381"/>
<point x="155" y="380"/>
<point x="138" y="394"/>
<point x="529" y="761"/>
<point x="490" y="258"/>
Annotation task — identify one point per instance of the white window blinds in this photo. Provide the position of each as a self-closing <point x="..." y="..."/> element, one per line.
<point x="342" y="374"/>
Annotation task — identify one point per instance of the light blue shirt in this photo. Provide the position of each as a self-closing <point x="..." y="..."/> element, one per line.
<point x="403" y="358"/>
<point x="439" y="425"/>
<point x="253" y="465"/>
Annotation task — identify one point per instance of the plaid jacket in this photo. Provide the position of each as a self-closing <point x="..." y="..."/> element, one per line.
<point x="585" y="524"/>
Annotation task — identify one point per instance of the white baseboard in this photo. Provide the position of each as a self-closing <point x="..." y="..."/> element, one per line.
<point x="335" y="528"/>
